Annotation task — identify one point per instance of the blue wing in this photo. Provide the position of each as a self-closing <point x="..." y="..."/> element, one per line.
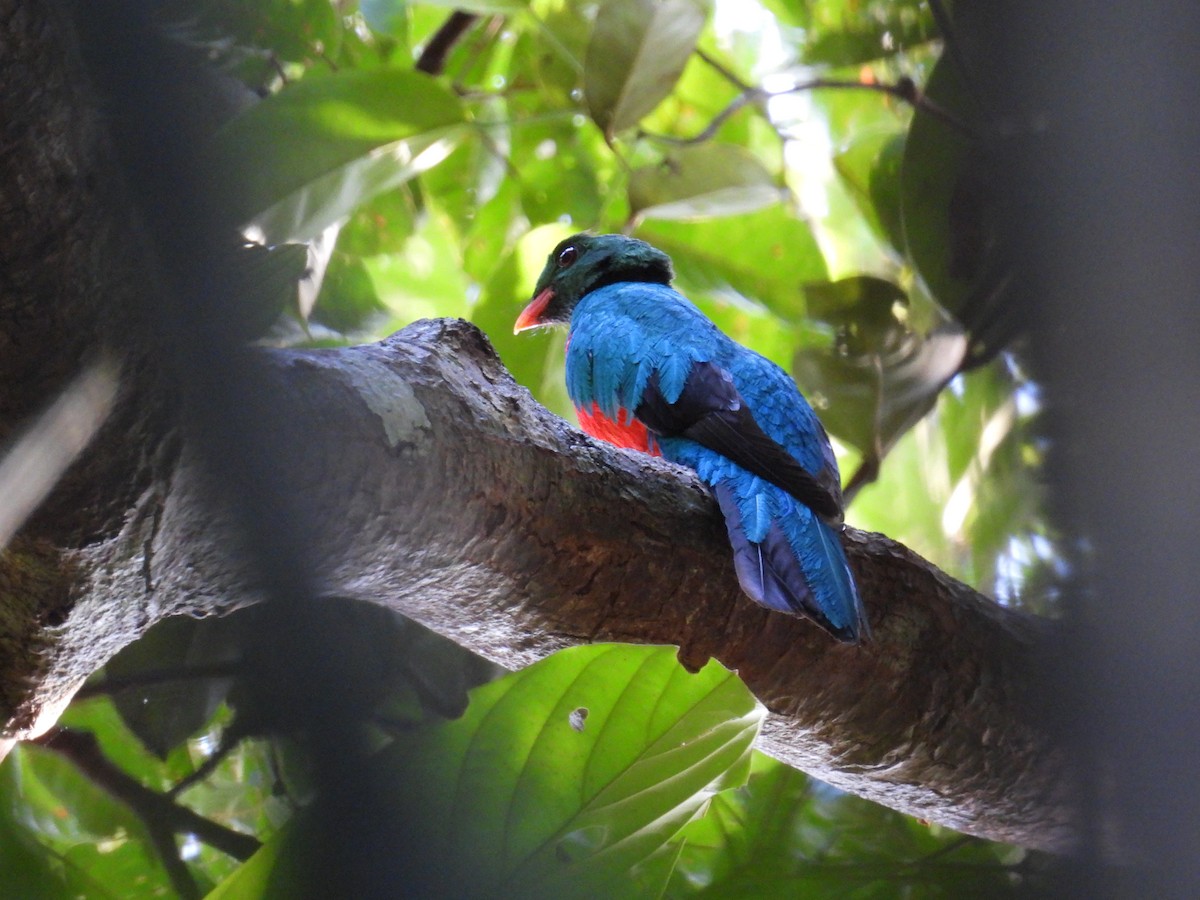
<point x="738" y="421"/>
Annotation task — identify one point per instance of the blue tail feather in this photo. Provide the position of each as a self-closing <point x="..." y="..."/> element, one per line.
<point x="798" y="565"/>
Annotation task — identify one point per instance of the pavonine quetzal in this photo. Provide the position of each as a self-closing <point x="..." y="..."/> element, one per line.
<point x="647" y="370"/>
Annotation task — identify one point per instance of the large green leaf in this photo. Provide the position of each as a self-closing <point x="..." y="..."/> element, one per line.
<point x="850" y="33"/>
<point x="558" y="779"/>
<point x="785" y="835"/>
<point x="766" y="256"/>
<point x="311" y="154"/>
<point x="380" y="13"/>
<point x="702" y="182"/>
<point x="945" y="202"/>
<point x="880" y="377"/>
<point x="637" y="53"/>
<point x="164" y="714"/>
<point x="91" y="831"/>
<point x="565" y="775"/>
<point x="869" y="166"/>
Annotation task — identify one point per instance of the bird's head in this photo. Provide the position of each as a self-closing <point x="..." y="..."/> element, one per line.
<point x="584" y="263"/>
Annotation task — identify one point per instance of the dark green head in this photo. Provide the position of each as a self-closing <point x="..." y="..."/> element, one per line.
<point x="583" y="263"/>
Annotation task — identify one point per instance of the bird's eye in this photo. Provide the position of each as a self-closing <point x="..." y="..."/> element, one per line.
<point x="567" y="257"/>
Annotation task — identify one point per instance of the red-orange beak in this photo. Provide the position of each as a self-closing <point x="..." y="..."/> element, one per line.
<point x="531" y="315"/>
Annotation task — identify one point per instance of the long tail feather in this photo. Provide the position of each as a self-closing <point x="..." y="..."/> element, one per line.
<point x="814" y="582"/>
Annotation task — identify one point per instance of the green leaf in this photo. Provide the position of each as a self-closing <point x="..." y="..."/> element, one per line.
<point x="702" y="182"/>
<point x="387" y="17"/>
<point x="870" y="168"/>
<point x="348" y="297"/>
<point x="251" y="878"/>
<point x="880" y="377"/>
<point x="93" y="835"/>
<point x="536" y="359"/>
<point x="483" y="7"/>
<point x="311" y="154"/>
<point x="637" y="53"/>
<point x="382" y="225"/>
<point x="943" y="208"/>
<point x="165" y="714"/>
<point x="845" y="34"/>
<point x="522" y="798"/>
<point x="766" y="256"/>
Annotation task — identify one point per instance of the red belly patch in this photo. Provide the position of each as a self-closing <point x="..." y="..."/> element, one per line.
<point x="626" y="432"/>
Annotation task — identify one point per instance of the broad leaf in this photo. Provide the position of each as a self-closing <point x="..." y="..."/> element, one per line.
<point x="702" y="182"/>
<point x="311" y="154"/>
<point x="637" y="53"/>
<point x="943" y="202"/>
<point x="766" y="256"/>
<point x="251" y="878"/>
<point x="558" y="779"/>
<point x="532" y="796"/>
<point x="880" y="377"/>
<point x="164" y="714"/>
<point x="845" y="34"/>
<point x="785" y="835"/>
<point x="870" y="169"/>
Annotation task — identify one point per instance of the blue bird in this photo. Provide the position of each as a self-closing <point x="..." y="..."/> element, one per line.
<point x="647" y="370"/>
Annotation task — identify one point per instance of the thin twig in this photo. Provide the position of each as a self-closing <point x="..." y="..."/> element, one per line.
<point x="163" y="817"/>
<point x="904" y="89"/>
<point x="726" y="73"/>
<point x="751" y="95"/>
<point x="112" y="684"/>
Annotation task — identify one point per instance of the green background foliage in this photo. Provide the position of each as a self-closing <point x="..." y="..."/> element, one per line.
<point x="812" y="223"/>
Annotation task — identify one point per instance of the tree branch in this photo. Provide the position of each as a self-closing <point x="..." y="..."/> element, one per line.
<point x="444" y="491"/>
<point x="163" y="816"/>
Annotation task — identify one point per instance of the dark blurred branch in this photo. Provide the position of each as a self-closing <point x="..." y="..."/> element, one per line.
<point x="433" y="56"/>
<point x="164" y="818"/>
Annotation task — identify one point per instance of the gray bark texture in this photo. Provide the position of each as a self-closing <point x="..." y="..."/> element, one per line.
<point x="425" y="479"/>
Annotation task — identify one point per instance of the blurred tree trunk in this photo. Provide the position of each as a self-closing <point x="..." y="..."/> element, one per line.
<point x="1095" y="105"/>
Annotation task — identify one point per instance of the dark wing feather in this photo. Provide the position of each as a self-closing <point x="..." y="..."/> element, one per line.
<point x="712" y="412"/>
<point x="771" y="575"/>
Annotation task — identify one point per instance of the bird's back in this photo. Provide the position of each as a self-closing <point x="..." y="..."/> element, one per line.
<point x="623" y="332"/>
<point x="623" y="336"/>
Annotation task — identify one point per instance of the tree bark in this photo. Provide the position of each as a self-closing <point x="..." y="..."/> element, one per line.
<point x="440" y="488"/>
<point x="432" y="483"/>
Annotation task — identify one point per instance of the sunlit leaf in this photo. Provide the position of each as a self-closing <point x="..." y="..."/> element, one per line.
<point x="348" y="298"/>
<point x="536" y="359"/>
<point x="514" y="798"/>
<point x="78" y="820"/>
<point x="844" y="34"/>
<point x="767" y="256"/>
<point x="701" y="182"/>
<point x="251" y="878"/>
<point x="311" y="154"/>
<point x="485" y="7"/>
<point x="637" y="53"/>
<point x="870" y="168"/>
<point x="382" y="225"/>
